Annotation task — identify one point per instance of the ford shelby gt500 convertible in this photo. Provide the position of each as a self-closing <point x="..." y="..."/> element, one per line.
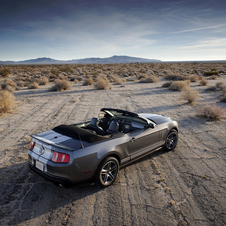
<point x="98" y="148"/>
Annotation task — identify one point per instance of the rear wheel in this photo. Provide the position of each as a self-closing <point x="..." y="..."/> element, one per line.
<point x="171" y="140"/>
<point x="107" y="172"/>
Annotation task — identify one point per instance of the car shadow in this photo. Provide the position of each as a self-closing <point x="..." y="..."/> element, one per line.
<point x="27" y="195"/>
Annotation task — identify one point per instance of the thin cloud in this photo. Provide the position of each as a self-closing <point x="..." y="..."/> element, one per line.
<point x="196" y="29"/>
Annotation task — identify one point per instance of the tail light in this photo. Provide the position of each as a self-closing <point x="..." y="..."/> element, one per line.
<point x="32" y="144"/>
<point x="60" y="157"/>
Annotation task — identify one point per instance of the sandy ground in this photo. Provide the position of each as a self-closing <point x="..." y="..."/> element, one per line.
<point x="186" y="186"/>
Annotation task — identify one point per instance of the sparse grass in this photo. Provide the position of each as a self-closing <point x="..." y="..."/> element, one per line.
<point x="212" y="112"/>
<point x="190" y="95"/>
<point x="178" y="85"/>
<point x="61" y="85"/>
<point x="8" y="85"/>
<point x="203" y="82"/>
<point x="102" y="83"/>
<point x="43" y="80"/>
<point x="33" y="85"/>
<point x="7" y="102"/>
<point x="88" y="82"/>
<point x="5" y="72"/>
<point x="151" y="79"/>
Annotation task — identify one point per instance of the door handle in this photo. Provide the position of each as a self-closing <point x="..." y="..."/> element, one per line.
<point x="133" y="139"/>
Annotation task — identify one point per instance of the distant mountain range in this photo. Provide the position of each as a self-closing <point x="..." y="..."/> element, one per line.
<point x="108" y="60"/>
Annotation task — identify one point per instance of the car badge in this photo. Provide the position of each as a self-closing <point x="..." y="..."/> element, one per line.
<point x="41" y="150"/>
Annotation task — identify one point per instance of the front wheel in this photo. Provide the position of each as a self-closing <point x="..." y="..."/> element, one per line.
<point x="171" y="140"/>
<point x="107" y="172"/>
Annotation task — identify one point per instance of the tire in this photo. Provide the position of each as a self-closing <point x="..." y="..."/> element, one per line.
<point x="171" y="140"/>
<point x="107" y="172"/>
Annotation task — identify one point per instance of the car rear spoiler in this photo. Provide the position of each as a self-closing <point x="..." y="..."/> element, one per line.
<point x="49" y="142"/>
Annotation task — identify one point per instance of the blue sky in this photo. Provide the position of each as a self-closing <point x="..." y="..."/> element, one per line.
<point x="70" y="29"/>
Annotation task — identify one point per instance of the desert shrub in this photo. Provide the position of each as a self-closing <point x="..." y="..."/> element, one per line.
<point x="61" y="85"/>
<point x="20" y="83"/>
<point x="119" y="81"/>
<point x="178" y="85"/>
<point x="167" y="84"/>
<point x="220" y="86"/>
<point x="194" y="78"/>
<point x="5" y="72"/>
<point x="88" y="81"/>
<point x="55" y="72"/>
<point x="203" y="82"/>
<point x="67" y="68"/>
<point x="7" y="102"/>
<point x="33" y="85"/>
<point x="212" y="112"/>
<point x="209" y="73"/>
<point x="151" y="79"/>
<point x="8" y="85"/>
<point x="142" y="77"/>
<point x="190" y="95"/>
<point x="213" y="77"/>
<point x="43" y="80"/>
<point x="102" y="83"/>
<point x="175" y="77"/>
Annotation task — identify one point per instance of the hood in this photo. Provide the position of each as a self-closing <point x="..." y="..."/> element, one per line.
<point x="158" y="119"/>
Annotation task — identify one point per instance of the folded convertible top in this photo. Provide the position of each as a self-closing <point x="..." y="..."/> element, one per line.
<point x="79" y="133"/>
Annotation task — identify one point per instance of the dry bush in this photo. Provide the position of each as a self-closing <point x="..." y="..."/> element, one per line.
<point x="175" y="77"/>
<point x="194" y="78"/>
<point x="102" y="83"/>
<point x="20" y="83"/>
<point x="119" y="81"/>
<point x="203" y="82"/>
<point x="213" y="77"/>
<point x="8" y="85"/>
<point x="4" y="72"/>
<point x="33" y="85"/>
<point x="167" y="84"/>
<point x="212" y="112"/>
<point x="55" y="72"/>
<point x="220" y="86"/>
<point x="88" y="81"/>
<point x="190" y="95"/>
<point x="178" y="85"/>
<point x="43" y="80"/>
<point x="61" y="85"/>
<point x="141" y="76"/>
<point x="151" y="79"/>
<point x="7" y="102"/>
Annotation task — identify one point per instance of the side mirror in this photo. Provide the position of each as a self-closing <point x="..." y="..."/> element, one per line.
<point x="151" y="125"/>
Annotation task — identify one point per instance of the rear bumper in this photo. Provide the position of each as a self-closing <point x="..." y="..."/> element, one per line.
<point x="54" y="179"/>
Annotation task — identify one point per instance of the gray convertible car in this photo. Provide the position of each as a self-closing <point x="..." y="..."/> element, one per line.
<point x="97" y="149"/>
